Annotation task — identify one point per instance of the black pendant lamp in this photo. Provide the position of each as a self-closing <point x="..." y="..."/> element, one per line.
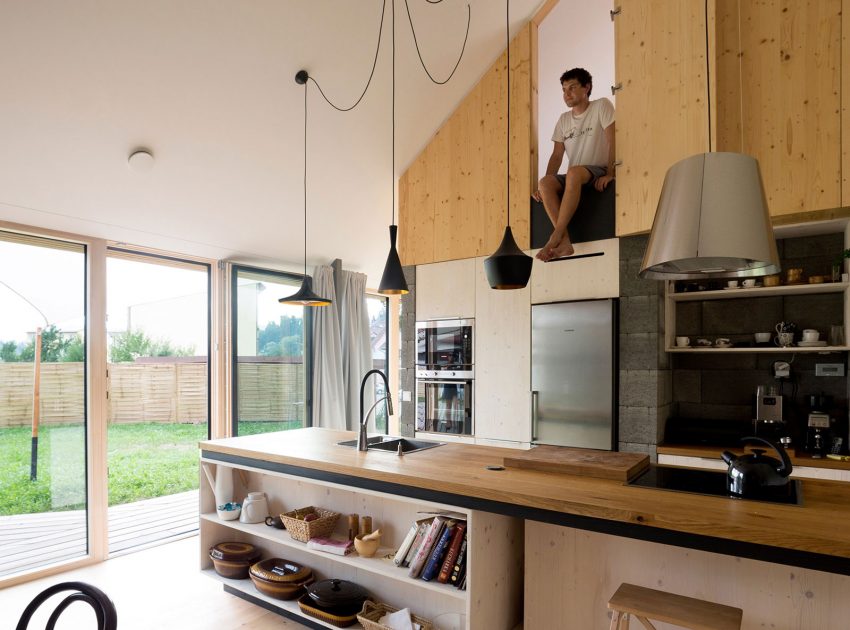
<point x="509" y="267"/>
<point x="392" y="280"/>
<point x="305" y="296"/>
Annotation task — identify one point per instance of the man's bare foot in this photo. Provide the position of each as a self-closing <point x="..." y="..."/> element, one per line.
<point x="546" y="252"/>
<point x="565" y="248"/>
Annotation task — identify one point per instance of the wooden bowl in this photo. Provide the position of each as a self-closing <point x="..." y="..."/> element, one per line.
<point x="366" y="548"/>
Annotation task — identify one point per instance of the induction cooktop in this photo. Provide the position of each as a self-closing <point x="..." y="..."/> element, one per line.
<point x="711" y="482"/>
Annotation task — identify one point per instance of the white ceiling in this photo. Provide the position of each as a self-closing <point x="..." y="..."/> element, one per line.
<point x="209" y="87"/>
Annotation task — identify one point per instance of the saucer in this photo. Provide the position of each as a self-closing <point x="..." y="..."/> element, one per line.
<point x="723" y="345"/>
<point x="730" y="288"/>
<point x="811" y="344"/>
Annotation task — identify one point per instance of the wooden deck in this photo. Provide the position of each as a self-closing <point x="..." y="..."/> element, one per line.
<point x="31" y="541"/>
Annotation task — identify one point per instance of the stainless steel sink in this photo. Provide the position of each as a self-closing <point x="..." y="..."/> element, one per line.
<point x="390" y="444"/>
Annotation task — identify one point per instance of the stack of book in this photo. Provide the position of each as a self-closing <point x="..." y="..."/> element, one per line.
<point x="435" y="549"/>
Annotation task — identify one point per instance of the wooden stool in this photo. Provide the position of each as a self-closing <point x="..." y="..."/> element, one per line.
<point x="687" y="612"/>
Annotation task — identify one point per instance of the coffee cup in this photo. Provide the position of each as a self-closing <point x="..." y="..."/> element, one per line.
<point x="683" y="342"/>
<point x="749" y="283"/>
<point x="732" y="284"/>
<point x="762" y="337"/>
<point x="810" y="334"/>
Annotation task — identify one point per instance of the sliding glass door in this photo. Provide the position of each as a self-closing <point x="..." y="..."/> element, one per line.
<point x="158" y="312"/>
<point x="271" y="341"/>
<point x="43" y="410"/>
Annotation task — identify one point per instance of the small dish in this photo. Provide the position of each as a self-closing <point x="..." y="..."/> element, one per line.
<point x="811" y="344"/>
<point x="731" y="288"/>
<point x="723" y="345"/>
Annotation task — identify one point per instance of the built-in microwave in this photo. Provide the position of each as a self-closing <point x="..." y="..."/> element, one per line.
<point x="444" y="405"/>
<point x="445" y="345"/>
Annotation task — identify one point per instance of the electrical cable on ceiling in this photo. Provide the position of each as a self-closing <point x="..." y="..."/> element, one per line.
<point x="371" y="74"/>
<point x="416" y="42"/>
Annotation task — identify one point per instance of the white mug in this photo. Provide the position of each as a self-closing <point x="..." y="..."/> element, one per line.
<point x="810" y="334"/>
<point x="749" y="283"/>
<point x="683" y="342"/>
<point x="732" y="284"/>
<point x="762" y="337"/>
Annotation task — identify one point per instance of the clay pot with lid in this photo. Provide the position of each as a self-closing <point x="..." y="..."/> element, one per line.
<point x="340" y="597"/>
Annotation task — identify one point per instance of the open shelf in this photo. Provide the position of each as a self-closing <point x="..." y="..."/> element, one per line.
<point x="289" y="605"/>
<point x="379" y="564"/>
<point x="786" y="290"/>
<point x="788" y="350"/>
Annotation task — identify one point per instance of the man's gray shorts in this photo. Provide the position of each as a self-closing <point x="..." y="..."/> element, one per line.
<point x="595" y="173"/>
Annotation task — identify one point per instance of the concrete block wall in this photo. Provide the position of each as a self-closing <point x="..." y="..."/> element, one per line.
<point x="646" y="382"/>
<point x="407" y="341"/>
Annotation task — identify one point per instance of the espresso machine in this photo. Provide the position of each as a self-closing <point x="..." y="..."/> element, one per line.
<point x="769" y="423"/>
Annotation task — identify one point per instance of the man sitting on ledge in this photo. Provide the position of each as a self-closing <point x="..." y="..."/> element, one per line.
<point x="586" y="134"/>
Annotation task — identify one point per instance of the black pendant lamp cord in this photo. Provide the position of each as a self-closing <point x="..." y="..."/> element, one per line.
<point x="508" y="73"/>
<point x="707" y="77"/>
<point x="392" y="166"/>
<point x="371" y="74"/>
<point x="416" y="42"/>
<point x="305" y="179"/>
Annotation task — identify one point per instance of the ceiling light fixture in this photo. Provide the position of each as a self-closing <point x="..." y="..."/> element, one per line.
<point x="509" y="267"/>
<point x="141" y="160"/>
<point x="392" y="280"/>
<point x="305" y="296"/>
<point x="712" y="219"/>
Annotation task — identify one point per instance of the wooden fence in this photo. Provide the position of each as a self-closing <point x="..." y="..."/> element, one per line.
<point x="149" y="392"/>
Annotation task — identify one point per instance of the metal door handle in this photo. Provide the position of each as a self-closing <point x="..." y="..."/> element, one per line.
<point x="614" y="88"/>
<point x="534" y="415"/>
<point x="615" y="12"/>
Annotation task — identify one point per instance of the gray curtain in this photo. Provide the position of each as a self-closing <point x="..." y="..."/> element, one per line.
<point x="356" y="346"/>
<point x="328" y="384"/>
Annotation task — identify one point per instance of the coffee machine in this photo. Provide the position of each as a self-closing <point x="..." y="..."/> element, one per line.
<point x="818" y="424"/>
<point x="769" y="423"/>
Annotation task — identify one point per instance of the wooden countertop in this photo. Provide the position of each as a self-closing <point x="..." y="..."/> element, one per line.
<point x="713" y="452"/>
<point x="813" y="535"/>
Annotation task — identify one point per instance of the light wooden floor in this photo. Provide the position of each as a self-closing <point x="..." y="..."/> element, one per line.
<point x="30" y="541"/>
<point x="159" y="587"/>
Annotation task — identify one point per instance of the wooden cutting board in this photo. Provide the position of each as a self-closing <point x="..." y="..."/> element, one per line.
<point x="581" y="461"/>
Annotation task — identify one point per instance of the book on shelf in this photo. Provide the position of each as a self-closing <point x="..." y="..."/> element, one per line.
<point x="460" y="564"/>
<point x="435" y="559"/>
<point x="417" y="542"/>
<point x="451" y="555"/>
<point x="400" y="555"/>
<point x="431" y="537"/>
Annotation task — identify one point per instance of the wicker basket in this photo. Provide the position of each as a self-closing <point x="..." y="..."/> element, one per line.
<point x="305" y="530"/>
<point x="368" y="617"/>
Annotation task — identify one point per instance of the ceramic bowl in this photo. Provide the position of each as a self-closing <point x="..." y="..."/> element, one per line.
<point x="233" y="569"/>
<point x="229" y="511"/>
<point x="366" y="548"/>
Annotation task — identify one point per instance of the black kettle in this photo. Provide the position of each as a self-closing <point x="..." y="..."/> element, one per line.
<point x="749" y="475"/>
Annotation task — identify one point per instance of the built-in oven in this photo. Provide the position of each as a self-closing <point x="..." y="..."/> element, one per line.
<point x="444" y="405"/>
<point x="444" y="345"/>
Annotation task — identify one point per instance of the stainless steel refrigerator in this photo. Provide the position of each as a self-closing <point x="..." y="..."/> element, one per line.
<point x="573" y="374"/>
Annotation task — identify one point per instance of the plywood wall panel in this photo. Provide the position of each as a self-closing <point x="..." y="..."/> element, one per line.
<point x="662" y="114"/>
<point x="452" y="199"/>
<point x="786" y="87"/>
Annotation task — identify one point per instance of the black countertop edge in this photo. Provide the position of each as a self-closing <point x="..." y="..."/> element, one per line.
<point x="638" y="531"/>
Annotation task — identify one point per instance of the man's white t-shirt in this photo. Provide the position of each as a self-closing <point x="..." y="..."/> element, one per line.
<point x="583" y="135"/>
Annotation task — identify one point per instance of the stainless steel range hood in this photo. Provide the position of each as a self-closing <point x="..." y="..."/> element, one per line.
<point x="711" y="222"/>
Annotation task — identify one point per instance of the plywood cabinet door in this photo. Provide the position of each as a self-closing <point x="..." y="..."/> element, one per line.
<point x="662" y="113"/>
<point x="445" y="290"/>
<point x="779" y="97"/>
<point x="589" y="278"/>
<point x="502" y="361"/>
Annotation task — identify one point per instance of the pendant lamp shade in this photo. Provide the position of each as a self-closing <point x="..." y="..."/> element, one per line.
<point x="305" y="296"/>
<point x="508" y="267"/>
<point x="392" y="280"/>
<point x="712" y="221"/>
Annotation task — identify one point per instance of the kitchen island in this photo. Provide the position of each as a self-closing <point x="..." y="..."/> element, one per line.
<point x="583" y="534"/>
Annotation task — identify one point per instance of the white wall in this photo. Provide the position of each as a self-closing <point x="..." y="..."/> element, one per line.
<point x="575" y="34"/>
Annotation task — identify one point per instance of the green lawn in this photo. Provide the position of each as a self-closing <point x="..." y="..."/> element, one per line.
<point x="145" y="460"/>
